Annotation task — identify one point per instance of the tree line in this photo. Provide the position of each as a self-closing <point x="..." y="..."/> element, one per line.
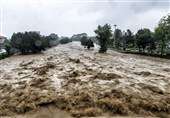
<point x="32" y="42"/>
<point x="144" y="41"/>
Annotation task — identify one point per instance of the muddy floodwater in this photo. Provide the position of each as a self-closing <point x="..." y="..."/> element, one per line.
<point x="70" y="81"/>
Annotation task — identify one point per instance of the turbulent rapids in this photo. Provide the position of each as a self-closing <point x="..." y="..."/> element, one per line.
<point x="71" y="81"/>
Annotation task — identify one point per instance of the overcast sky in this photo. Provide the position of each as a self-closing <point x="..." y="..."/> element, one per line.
<point x="68" y="17"/>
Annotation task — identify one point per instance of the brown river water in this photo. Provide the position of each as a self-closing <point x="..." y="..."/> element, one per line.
<point x="70" y="81"/>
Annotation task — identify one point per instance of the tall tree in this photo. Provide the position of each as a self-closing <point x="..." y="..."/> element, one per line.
<point x="124" y="40"/>
<point x="17" y="41"/>
<point x="162" y="33"/>
<point x="8" y="47"/>
<point x="152" y="44"/>
<point x="104" y="34"/>
<point x="117" y="38"/>
<point x="143" y="37"/>
<point x="128" y="39"/>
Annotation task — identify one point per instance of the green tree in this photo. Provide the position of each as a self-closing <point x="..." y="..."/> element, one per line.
<point x="84" y="40"/>
<point x="27" y="42"/>
<point x="51" y="40"/>
<point x="65" y="40"/>
<point x="78" y="37"/>
<point x="8" y="46"/>
<point x="117" y="38"/>
<point x="124" y="40"/>
<point x="89" y="43"/>
<point x="104" y="34"/>
<point x="17" y="41"/>
<point x="152" y="44"/>
<point x="128" y="39"/>
<point x="143" y="37"/>
<point x="162" y="33"/>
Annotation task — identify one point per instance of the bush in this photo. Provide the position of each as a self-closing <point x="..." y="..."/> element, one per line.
<point x="8" y="47"/>
<point x="65" y="40"/>
<point x="84" y="40"/>
<point x="87" y="42"/>
<point x="3" y="56"/>
<point x="51" y="40"/>
<point x="28" y="42"/>
<point x="78" y="37"/>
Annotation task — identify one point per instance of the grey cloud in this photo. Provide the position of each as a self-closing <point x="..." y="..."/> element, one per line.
<point x="67" y="17"/>
<point x="145" y="5"/>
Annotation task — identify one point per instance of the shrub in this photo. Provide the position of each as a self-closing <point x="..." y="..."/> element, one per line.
<point x="28" y="42"/>
<point x="3" y="56"/>
<point x="84" y="40"/>
<point x="8" y="47"/>
<point x="51" y="40"/>
<point x="65" y="40"/>
<point x="87" y="42"/>
<point x="78" y="37"/>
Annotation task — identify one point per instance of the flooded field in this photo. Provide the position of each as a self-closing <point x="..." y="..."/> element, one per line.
<point x="84" y="83"/>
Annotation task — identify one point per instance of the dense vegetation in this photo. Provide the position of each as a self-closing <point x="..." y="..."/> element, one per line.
<point x="28" y="42"/>
<point x="86" y="42"/>
<point x="65" y="40"/>
<point x="144" y="41"/>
